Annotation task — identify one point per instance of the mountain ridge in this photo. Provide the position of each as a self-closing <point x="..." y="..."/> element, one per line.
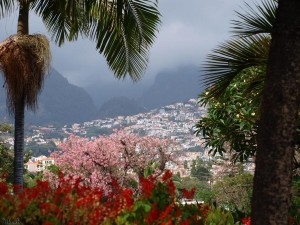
<point x="172" y="86"/>
<point x="63" y="103"/>
<point x="59" y="102"/>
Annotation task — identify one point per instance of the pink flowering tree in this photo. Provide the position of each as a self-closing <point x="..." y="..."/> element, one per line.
<point x="122" y="157"/>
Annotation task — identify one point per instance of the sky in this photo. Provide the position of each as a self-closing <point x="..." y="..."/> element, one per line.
<point x="190" y="29"/>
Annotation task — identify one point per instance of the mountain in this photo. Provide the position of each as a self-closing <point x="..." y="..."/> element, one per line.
<point x="169" y="87"/>
<point x="172" y="86"/>
<point x="63" y="103"/>
<point x="59" y="103"/>
<point x="101" y="92"/>
<point x="120" y="106"/>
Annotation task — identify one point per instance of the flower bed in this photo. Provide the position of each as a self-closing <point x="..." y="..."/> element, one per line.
<point x="72" y="202"/>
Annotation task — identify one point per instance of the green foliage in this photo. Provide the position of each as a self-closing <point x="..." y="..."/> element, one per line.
<point x="203" y="189"/>
<point x="185" y="164"/>
<point x="234" y="193"/>
<point x="234" y="74"/>
<point x="5" y="128"/>
<point x="40" y="149"/>
<point x="96" y="131"/>
<point x="6" y="154"/>
<point x="231" y="119"/>
<point x="6" y="162"/>
<point x="150" y="168"/>
<point x="218" y="216"/>
<point x="53" y="169"/>
<point x="201" y="169"/>
<point x="204" y="193"/>
<point x="196" y="148"/>
<point x="30" y="179"/>
<point x="295" y="208"/>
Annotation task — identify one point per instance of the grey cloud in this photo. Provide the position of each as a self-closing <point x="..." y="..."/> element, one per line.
<point x="190" y="29"/>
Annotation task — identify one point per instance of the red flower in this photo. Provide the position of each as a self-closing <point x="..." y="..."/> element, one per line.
<point x="152" y="215"/>
<point x="61" y="177"/>
<point x="165" y="213"/>
<point x="171" y="187"/>
<point x="186" y="222"/>
<point x="115" y="185"/>
<point x="47" y="223"/>
<point x="169" y="222"/>
<point x="18" y="188"/>
<point x="189" y="194"/>
<point x="246" y="221"/>
<point x="3" y="188"/>
<point x="146" y="186"/>
<point x="82" y="202"/>
<point x="204" y="209"/>
<point x="167" y="175"/>
<point x="178" y="213"/>
<point x="127" y="193"/>
<point x="43" y="186"/>
<point x="49" y="207"/>
<point x="4" y="175"/>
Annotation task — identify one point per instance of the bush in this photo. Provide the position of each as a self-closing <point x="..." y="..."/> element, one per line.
<point x="72" y="202"/>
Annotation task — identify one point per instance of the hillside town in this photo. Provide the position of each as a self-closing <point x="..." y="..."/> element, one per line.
<point x="173" y="122"/>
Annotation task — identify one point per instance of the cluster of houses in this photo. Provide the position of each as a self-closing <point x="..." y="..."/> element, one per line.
<point x="174" y="121"/>
<point x="38" y="164"/>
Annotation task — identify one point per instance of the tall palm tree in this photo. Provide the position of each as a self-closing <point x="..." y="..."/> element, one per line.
<point x="243" y="58"/>
<point x="279" y="106"/>
<point x="248" y="48"/>
<point x="123" y="31"/>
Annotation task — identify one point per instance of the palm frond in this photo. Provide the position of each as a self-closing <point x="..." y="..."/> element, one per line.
<point x="6" y="7"/>
<point x="24" y="60"/>
<point x="231" y="58"/>
<point x="256" y="20"/>
<point x="124" y="30"/>
<point x="64" y="19"/>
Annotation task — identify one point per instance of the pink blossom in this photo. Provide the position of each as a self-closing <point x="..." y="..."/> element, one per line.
<point x="120" y="156"/>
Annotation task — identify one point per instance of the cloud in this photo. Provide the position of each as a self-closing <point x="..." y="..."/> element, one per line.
<point x="190" y="29"/>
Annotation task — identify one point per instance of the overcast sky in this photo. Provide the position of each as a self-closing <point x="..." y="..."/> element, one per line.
<point x="189" y="30"/>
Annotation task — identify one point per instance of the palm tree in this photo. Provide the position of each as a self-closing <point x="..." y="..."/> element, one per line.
<point x="248" y="48"/>
<point x="123" y="31"/>
<point x="278" y="60"/>
<point x="279" y="113"/>
<point x="242" y="60"/>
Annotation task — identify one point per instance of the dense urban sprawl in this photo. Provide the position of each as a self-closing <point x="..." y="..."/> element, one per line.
<point x="173" y="122"/>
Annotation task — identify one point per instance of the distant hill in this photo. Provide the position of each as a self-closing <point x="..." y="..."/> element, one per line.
<point x="169" y="87"/>
<point x="172" y="86"/>
<point x="120" y="106"/>
<point x="63" y="103"/>
<point x="59" y="103"/>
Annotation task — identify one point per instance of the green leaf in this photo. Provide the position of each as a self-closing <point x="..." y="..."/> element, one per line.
<point x="6" y="7"/>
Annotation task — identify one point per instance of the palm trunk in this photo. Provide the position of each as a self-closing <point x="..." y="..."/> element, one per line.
<point x="19" y="144"/>
<point x="23" y="18"/>
<point x="19" y="110"/>
<point x="279" y="112"/>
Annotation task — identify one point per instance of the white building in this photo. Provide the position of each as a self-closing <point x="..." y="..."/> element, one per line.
<point x="37" y="164"/>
